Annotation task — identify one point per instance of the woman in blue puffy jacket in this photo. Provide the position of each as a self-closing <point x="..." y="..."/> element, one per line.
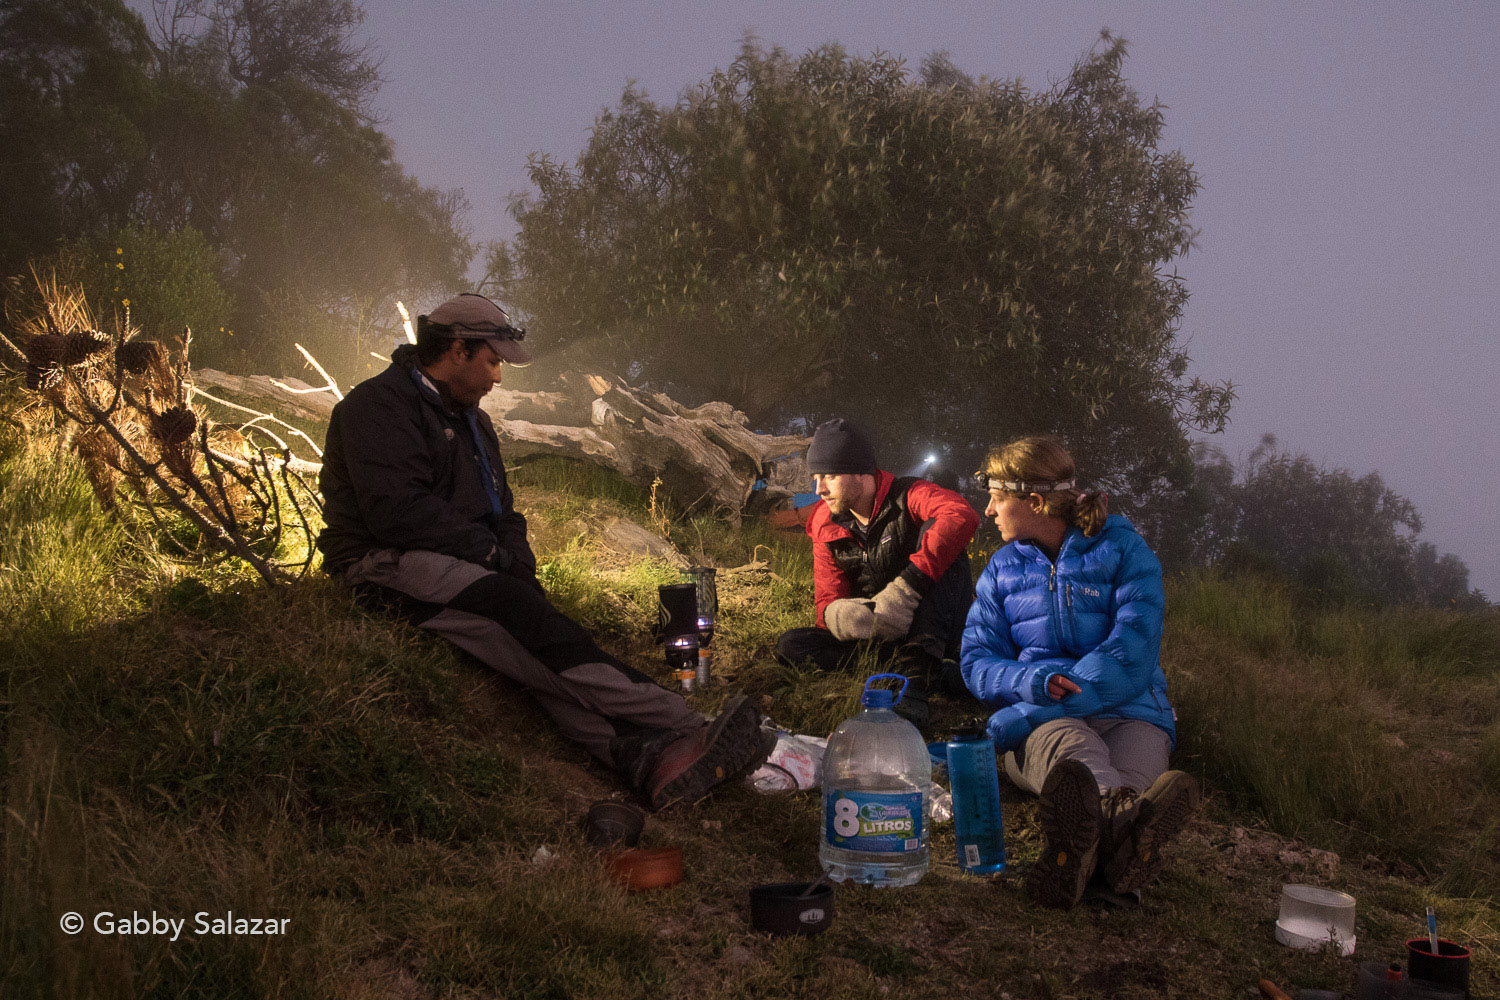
<point x="1064" y="640"/>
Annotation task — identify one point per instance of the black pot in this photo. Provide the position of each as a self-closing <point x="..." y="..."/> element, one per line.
<point x="613" y="824"/>
<point x="782" y="909"/>
<point x="1447" y="968"/>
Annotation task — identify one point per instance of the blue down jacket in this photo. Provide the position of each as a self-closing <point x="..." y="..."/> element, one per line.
<point x="1095" y="617"/>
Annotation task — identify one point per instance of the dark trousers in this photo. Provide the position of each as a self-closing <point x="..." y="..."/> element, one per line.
<point x="937" y="629"/>
<point x="800" y="646"/>
<point x="614" y="711"/>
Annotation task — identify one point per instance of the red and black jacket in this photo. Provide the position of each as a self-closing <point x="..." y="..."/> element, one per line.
<point x="917" y="530"/>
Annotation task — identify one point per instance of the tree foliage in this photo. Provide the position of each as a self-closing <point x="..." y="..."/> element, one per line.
<point x="162" y="281"/>
<point x="248" y="121"/>
<point x="950" y="261"/>
<point x="1340" y="536"/>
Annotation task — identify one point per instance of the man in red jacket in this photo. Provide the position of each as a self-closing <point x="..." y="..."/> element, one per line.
<point x="890" y="565"/>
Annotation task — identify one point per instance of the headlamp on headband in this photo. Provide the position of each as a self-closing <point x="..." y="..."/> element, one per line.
<point x="984" y="484"/>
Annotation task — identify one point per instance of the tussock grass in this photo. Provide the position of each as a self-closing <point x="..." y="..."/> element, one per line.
<point x="58" y="557"/>
<point x="1359" y="729"/>
<point x="584" y="482"/>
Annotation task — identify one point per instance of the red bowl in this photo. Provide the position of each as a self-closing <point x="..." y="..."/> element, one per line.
<point x="645" y="868"/>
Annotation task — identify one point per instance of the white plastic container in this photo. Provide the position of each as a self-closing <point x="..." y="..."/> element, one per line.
<point x="1312" y="917"/>
<point x="877" y="782"/>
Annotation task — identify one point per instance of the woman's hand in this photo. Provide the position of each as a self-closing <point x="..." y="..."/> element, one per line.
<point x="1059" y="687"/>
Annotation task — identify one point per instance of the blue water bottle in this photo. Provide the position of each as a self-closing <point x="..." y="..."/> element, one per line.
<point x="976" y="803"/>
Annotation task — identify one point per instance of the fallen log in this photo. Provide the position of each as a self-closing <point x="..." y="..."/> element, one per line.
<point x="703" y="455"/>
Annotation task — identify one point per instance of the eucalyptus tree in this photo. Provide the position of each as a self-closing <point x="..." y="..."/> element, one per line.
<point x="948" y="260"/>
<point x="1342" y="537"/>
<point x="247" y="121"/>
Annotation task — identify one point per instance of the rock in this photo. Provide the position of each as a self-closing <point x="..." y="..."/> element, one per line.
<point x="739" y="955"/>
<point x="629" y="538"/>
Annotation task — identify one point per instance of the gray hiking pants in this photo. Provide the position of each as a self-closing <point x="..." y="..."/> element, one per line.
<point x="508" y="623"/>
<point x="1125" y="752"/>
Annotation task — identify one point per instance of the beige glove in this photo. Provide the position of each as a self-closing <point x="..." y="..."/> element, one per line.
<point x="850" y="618"/>
<point x="894" y="607"/>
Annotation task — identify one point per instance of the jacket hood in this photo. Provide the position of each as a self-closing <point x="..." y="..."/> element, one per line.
<point x="404" y="362"/>
<point x="405" y="356"/>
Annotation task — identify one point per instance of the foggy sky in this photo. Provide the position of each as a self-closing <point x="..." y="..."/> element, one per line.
<point x="1346" y="274"/>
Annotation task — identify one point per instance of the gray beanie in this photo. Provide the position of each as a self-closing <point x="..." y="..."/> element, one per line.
<point x="838" y="448"/>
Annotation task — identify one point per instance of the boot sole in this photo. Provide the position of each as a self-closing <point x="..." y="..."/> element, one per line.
<point x="1071" y="820"/>
<point x="733" y="730"/>
<point x="1163" y="815"/>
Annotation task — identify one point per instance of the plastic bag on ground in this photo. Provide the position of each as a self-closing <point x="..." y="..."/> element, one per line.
<point x="795" y="765"/>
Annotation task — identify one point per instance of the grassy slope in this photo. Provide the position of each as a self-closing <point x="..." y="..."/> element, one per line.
<point x="180" y="742"/>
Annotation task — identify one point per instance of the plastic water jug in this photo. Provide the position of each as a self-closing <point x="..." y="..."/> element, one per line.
<point x="877" y="779"/>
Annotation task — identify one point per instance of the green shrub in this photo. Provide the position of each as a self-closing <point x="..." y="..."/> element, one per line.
<point x="166" y="281"/>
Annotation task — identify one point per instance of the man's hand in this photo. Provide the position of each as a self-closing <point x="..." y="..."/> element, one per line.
<point x="894" y="607"/>
<point x="850" y="618"/>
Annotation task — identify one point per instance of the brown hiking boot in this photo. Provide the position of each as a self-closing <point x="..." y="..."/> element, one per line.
<point x="1139" y="827"/>
<point x="724" y="749"/>
<point x="1071" y="820"/>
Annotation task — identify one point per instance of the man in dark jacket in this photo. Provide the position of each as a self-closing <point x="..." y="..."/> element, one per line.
<point x="420" y="520"/>
<point x="889" y="565"/>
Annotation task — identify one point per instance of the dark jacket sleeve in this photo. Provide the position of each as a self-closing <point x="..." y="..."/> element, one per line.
<point x="953" y="523"/>
<point x="390" y="469"/>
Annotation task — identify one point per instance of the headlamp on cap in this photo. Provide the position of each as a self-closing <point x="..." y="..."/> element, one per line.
<point x="479" y="331"/>
<point x="472" y="316"/>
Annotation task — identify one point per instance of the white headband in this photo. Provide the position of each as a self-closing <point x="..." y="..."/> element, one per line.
<point x="1016" y="486"/>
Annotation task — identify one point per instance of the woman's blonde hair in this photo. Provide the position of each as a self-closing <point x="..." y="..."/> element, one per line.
<point x="1040" y="461"/>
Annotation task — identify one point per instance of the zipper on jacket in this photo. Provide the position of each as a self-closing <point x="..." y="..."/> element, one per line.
<point x="1068" y="591"/>
<point x="1052" y="578"/>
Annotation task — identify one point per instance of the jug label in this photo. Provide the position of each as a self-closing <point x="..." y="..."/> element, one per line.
<point x="875" y="821"/>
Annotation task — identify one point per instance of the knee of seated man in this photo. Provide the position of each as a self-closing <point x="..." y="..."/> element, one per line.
<point x="495" y="591"/>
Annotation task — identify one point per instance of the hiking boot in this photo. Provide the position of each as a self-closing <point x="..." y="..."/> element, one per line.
<point x="1139" y="827"/>
<point x="1099" y="892"/>
<point x="1071" y="821"/>
<point x="691" y="766"/>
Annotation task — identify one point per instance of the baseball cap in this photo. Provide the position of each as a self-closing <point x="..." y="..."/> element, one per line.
<point x="471" y="316"/>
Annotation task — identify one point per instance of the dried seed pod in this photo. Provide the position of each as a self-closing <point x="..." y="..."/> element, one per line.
<point x="174" y="426"/>
<point x="136" y="357"/>
<point x="82" y="345"/>
<point x="178" y="457"/>
<point x="47" y="350"/>
<point x="40" y="378"/>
